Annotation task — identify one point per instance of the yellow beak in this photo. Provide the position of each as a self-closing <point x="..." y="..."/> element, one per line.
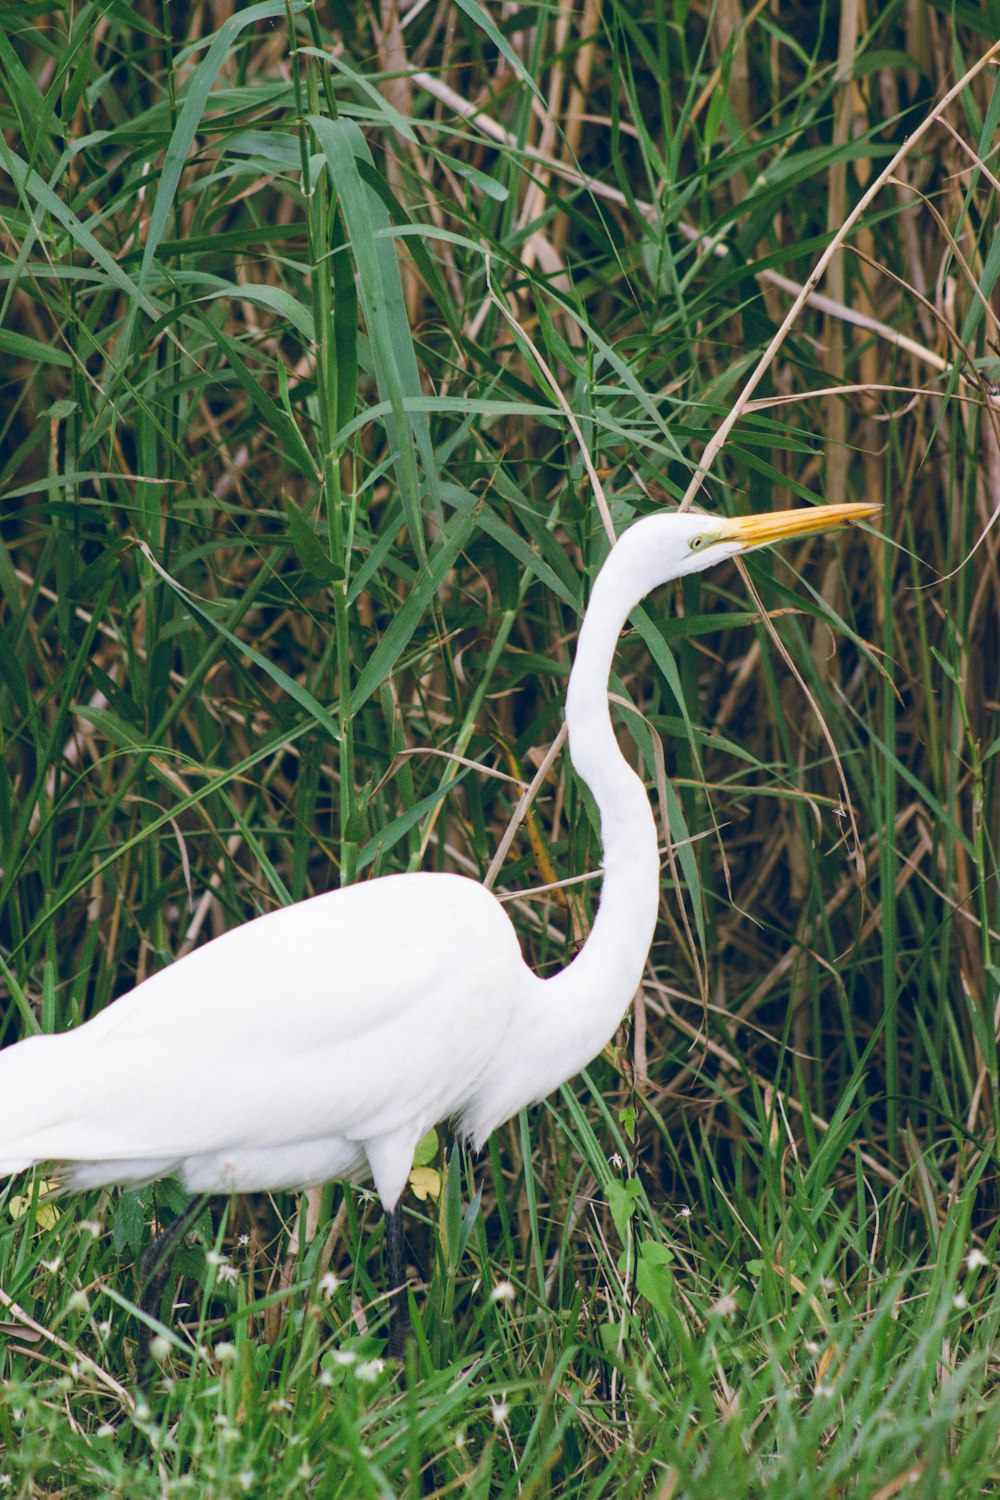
<point x="779" y="525"/>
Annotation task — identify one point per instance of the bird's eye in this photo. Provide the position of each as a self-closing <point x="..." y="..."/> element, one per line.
<point x="697" y="542"/>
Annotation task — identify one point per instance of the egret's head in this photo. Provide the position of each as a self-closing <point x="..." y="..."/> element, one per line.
<point x="671" y="545"/>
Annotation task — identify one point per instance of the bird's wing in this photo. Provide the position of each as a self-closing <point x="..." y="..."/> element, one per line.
<point x="349" y="1015"/>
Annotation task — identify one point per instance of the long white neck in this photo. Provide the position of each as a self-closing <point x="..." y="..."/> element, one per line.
<point x="589" y="998"/>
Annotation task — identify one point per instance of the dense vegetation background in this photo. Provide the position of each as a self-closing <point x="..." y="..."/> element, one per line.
<point x="332" y="336"/>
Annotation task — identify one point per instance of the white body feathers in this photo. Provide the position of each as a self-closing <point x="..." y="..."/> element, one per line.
<point x="286" y="1052"/>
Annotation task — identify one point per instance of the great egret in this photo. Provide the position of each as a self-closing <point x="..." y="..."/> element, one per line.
<point x="324" y="1039"/>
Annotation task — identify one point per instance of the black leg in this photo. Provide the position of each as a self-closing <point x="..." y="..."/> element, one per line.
<point x="399" y="1312"/>
<point x="154" y="1268"/>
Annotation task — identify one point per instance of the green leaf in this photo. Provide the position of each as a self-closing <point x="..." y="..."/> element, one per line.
<point x="427" y="1149"/>
<point x="293" y="689"/>
<point x="308" y="548"/>
<point x="480" y="18"/>
<point x="390" y="648"/>
<point x="293" y="444"/>
<point x="88" y="583"/>
<point x="20" y="346"/>
<point x="381" y="295"/>
<point x="653" y="1277"/>
<point x="623" y="1198"/>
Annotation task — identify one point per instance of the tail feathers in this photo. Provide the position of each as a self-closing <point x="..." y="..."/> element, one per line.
<point x="51" y="1092"/>
<point x="75" y="1176"/>
<point x="43" y="1090"/>
<point x="11" y="1165"/>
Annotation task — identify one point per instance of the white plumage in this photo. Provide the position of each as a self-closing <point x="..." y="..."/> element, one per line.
<point x="267" y="1058"/>
<point x="323" y="1040"/>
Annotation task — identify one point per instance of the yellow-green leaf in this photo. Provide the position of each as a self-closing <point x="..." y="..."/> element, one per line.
<point x="47" y="1215"/>
<point x="426" y="1183"/>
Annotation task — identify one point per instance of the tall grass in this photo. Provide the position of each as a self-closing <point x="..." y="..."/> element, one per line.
<point x="330" y="338"/>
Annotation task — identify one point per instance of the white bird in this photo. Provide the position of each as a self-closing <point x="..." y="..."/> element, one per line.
<point x="324" y="1039"/>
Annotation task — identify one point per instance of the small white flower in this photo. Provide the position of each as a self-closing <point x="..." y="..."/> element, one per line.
<point x="324" y="1378"/>
<point x="959" y="1301"/>
<point x="105" y="1430"/>
<point x="975" y="1260"/>
<point x="304" y="1470"/>
<point x="104" y="1328"/>
<point x="225" y="1353"/>
<point x="91" y="1227"/>
<point x="811" y="1346"/>
<point x="228" y="1274"/>
<point x="504" y="1291"/>
<point x="370" y="1369"/>
<point x="246" y="1478"/>
<point x="724" y="1306"/>
<point x="53" y="1264"/>
<point x="215" y="1258"/>
<point x="329" y="1284"/>
<point x="499" y="1411"/>
<point x="684" y="1213"/>
<point x="159" y="1348"/>
<point x="616" y="1161"/>
<point x="79" y="1302"/>
<point x="243" y="1241"/>
<point x="344" y="1357"/>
